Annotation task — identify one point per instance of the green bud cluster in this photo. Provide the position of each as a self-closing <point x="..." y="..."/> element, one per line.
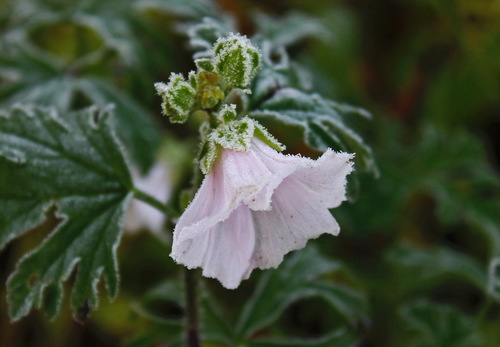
<point x="234" y="63"/>
<point x="210" y="91"/>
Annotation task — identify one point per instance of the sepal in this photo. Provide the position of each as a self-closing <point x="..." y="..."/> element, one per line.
<point x="204" y="64"/>
<point x="262" y="134"/>
<point x="236" y="135"/>
<point x="226" y="114"/>
<point x="208" y="154"/>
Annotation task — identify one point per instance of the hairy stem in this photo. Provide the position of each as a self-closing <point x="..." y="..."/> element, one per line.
<point x="192" y="327"/>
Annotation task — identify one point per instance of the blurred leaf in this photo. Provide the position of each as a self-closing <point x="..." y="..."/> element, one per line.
<point x="322" y="121"/>
<point x="454" y="168"/>
<point x="287" y="30"/>
<point x="162" y="303"/>
<point x="441" y="326"/>
<point x="298" y="278"/>
<point x="75" y="163"/>
<point x="214" y="324"/>
<point x="188" y="9"/>
<point x="494" y="279"/>
<point x="155" y="336"/>
<point x="277" y="72"/>
<point x="135" y="127"/>
<point x="202" y="35"/>
<point x="420" y="269"/>
<point x="163" y="306"/>
<point x="339" y="338"/>
<point x="111" y="20"/>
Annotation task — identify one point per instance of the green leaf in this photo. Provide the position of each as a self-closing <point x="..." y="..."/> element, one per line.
<point x="433" y="267"/>
<point x="163" y="308"/>
<point x="75" y="163"/>
<point x="134" y="125"/>
<point x="323" y="122"/>
<point x="298" y="278"/>
<point x="441" y="326"/>
<point x="338" y="338"/>
<point x="454" y="168"/>
<point x="214" y="324"/>
<point x="40" y="82"/>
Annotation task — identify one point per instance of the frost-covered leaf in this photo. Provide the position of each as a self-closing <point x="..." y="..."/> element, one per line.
<point x="202" y="36"/>
<point x="75" y="163"/>
<point x="134" y="125"/>
<point x="441" y="326"/>
<point x="421" y="269"/>
<point x="277" y="72"/>
<point x="39" y="80"/>
<point x="298" y="278"/>
<point x="323" y="123"/>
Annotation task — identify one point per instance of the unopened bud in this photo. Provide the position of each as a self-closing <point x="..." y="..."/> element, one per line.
<point x="178" y="97"/>
<point x="236" y="60"/>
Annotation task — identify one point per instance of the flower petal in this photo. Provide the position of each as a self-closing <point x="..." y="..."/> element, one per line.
<point x="235" y="176"/>
<point x="224" y="251"/>
<point x="325" y="177"/>
<point x="294" y="219"/>
<point x="280" y="165"/>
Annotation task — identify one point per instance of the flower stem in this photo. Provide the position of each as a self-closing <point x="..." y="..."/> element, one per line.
<point x="192" y="327"/>
<point x="148" y="199"/>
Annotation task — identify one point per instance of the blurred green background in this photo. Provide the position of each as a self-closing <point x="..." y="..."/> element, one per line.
<point x="417" y="241"/>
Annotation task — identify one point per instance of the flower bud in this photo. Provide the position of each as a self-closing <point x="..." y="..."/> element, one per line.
<point x="236" y="60"/>
<point x="178" y="97"/>
<point x="210" y="96"/>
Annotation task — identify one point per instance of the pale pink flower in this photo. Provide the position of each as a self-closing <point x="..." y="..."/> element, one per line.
<point x="257" y="205"/>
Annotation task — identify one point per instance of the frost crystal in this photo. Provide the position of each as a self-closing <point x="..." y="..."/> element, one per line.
<point x="178" y="97"/>
<point x="236" y="60"/>
<point x="233" y="134"/>
<point x="257" y="205"/>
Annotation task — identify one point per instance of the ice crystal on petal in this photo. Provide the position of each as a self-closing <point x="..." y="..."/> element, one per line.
<point x="257" y="205"/>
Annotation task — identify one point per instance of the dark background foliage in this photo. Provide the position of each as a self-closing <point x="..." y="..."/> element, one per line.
<point x="416" y="243"/>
